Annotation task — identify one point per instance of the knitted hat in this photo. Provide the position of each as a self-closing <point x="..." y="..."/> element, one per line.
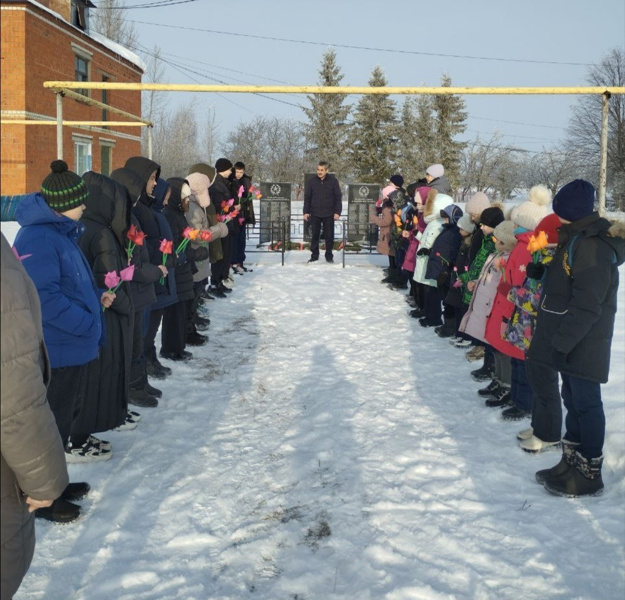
<point x="465" y="223"/>
<point x="204" y="169"/>
<point x="550" y="226"/>
<point x="63" y="189"/>
<point x="477" y="203"/>
<point x="528" y="214"/>
<point x="504" y="233"/>
<point x="397" y="179"/>
<point x="421" y="194"/>
<point x="435" y="171"/>
<point x="222" y="164"/>
<point x="492" y="216"/>
<point x="575" y="200"/>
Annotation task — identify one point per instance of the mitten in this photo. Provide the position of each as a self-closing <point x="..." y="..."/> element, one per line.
<point x="535" y="270"/>
<point x="423" y="252"/>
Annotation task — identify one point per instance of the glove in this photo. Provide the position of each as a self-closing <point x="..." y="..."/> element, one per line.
<point x="423" y="252"/>
<point x="559" y="360"/>
<point x="535" y="270"/>
<point x="201" y="254"/>
<point x="182" y="258"/>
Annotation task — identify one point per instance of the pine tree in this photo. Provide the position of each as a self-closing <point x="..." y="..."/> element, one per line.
<point x="373" y="142"/>
<point x="450" y="121"/>
<point x="416" y="137"/>
<point x="327" y="129"/>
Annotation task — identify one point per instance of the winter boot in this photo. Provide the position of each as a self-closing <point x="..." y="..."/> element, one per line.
<point x="154" y="367"/>
<point x="139" y="397"/>
<point x="196" y="339"/>
<point x="490" y="391"/>
<point x="446" y="330"/>
<point x="500" y="398"/>
<point x="75" y="491"/>
<point x="568" y="450"/>
<point x="61" y="511"/>
<point x="583" y="478"/>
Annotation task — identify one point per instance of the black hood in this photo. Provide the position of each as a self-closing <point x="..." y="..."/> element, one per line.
<point x="131" y="181"/>
<point x="175" y="199"/>
<point x="144" y="167"/>
<point x="596" y="226"/>
<point x="160" y="191"/>
<point x="108" y="204"/>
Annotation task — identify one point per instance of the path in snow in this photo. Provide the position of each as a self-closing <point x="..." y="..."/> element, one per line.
<point x="323" y="445"/>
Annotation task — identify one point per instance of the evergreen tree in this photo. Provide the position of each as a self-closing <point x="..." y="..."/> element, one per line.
<point x="449" y="121"/>
<point x="326" y="129"/>
<point x="373" y="142"/>
<point x="416" y="137"/>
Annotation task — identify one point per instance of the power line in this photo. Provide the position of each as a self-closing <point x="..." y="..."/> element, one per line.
<point x="158" y="4"/>
<point x="326" y="44"/>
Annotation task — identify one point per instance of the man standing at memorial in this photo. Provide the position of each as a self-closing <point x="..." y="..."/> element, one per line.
<point x="322" y="205"/>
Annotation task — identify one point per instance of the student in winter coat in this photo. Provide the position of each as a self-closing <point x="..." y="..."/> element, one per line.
<point x="489" y="219"/>
<point x="221" y="193"/>
<point x="241" y="179"/>
<point x="432" y="215"/>
<point x="165" y="288"/>
<point x="106" y="220"/>
<point x="546" y="427"/>
<point x="475" y="320"/>
<point x="410" y="261"/>
<point x="525" y="217"/>
<point x="148" y="271"/>
<point x="174" y="330"/>
<point x="574" y="333"/>
<point x="435" y="178"/>
<point x="384" y="221"/>
<point x="454" y="296"/>
<point x="322" y="205"/>
<point x="440" y="264"/>
<point x="398" y="244"/>
<point x="33" y="466"/>
<point x="71" y="306"/>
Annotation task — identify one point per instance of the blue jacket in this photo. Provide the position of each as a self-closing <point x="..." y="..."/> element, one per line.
<point x="70" y="300"/>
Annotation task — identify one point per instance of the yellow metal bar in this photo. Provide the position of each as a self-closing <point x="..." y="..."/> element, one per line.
<point x="74" y="123"/>
<point x="311" y="89"/>
<point x="91" y="102"/>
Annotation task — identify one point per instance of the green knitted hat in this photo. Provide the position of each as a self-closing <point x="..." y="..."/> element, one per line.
<point x="63" y="189"/>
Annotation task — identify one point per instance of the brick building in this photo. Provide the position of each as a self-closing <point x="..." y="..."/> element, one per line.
<point x="50" y="40"/>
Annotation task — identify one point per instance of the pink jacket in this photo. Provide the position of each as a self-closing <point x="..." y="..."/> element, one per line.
<point x="503" y="308"/>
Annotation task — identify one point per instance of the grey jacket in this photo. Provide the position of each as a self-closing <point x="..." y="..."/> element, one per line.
<point x="33" y="459"/>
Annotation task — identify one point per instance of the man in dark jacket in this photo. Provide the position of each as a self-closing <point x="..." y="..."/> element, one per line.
<point x="221" y="194"/>
<point x="573" y="334"/>
<point x="34" y="472"/>
<point x="242" y="179"/>
<point x="322" y="205"/>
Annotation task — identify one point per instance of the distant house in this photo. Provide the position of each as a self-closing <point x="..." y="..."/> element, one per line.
<point x="50" y="40"/>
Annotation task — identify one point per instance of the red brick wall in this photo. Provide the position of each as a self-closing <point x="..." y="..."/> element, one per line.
<point x="49" y="56"/>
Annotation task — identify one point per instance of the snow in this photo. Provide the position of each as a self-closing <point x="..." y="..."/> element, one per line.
<point x="101" y="39"/>
<point x="324" y="446"/>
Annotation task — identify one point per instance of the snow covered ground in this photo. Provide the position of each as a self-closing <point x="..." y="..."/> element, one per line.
<point x="324" y="446"/>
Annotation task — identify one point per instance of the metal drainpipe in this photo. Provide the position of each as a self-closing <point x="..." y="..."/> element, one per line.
<point x="59" y="125"/>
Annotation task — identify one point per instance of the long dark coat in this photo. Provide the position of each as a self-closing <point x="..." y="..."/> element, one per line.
<point x="107" y="218"/>
<point x="178" y="223"/>
<point x="577" y="308"/>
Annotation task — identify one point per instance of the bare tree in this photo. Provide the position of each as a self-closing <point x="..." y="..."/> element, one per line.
<point x="110" y="20"/>
<point x="490" y="166"/>
<point x="154" y="104"/>
<point x="179" y="149"/>
<point x="272" y="149"/>
<point x="211" y="136"/>
<point x="584" y="135"/>
<point x="552" y="168"/>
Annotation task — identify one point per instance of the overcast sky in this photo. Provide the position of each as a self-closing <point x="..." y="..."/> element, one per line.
<point x="493" y="43"/>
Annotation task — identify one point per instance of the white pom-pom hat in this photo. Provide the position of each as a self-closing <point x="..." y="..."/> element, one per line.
<point x="530" y="213"/>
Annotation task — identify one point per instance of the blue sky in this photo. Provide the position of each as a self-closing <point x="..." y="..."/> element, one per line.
<point x="536" y="39"/>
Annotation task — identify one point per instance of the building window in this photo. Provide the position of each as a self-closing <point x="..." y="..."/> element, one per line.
<point x="106" y="159"/>
<point x="80" y="13"/>
<point x="82" y="157"/>
<point x="81" y="71"/>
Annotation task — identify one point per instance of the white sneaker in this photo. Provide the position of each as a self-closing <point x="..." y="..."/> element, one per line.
<point x="228" y="282"/>
<point x="136" y="417"/>
<point x="128" y="425"/>
<point x="534" y="444"/>
<point x="86" y="453"/>
<point x="100" y="444"/>
<point x="525" y="434"/>
<point x="462" y="343"/>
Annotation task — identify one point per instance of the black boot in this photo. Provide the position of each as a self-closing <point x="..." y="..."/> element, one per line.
<point x="196" y="339"/>
<point x="153" y="366"/>
<point x="139" y="397"/>
<point x="75" y="491"/>
<point x="61" y="511"/>
<point x="582" y="478"/>
<point x="490" y="390"/>
<point x="486" y="371"/>
<point x="500" y="398"/>
<point x="568" y="450"/>
<point x="447" y="329"/>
